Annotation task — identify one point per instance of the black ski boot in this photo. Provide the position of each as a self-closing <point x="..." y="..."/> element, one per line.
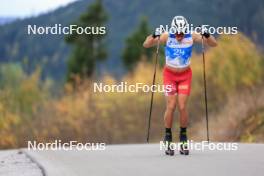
<point x="184" y="148"/>
<point x="168" y="140"/>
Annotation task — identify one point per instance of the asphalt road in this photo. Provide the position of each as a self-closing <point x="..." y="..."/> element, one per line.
<point x="16" y="163"/>
<point x="147" y="159"/>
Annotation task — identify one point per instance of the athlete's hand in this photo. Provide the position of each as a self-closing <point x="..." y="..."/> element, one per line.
<point x="157" y="33"/>
<point x="205" y="32"/>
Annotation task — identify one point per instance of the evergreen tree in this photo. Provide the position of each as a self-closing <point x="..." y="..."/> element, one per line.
<point x="88" y="48"/>
<point x="134" y="50"/>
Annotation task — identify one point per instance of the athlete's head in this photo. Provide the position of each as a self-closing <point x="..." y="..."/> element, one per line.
<point x="179" y="25"/>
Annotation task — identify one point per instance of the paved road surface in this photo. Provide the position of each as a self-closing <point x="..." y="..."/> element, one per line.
<point x="147" y="159"/>
<point x="16" y="163"/>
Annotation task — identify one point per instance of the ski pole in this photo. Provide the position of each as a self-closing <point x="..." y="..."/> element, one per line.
<point x="152" y="92"/>
<point x="205" y="90"/>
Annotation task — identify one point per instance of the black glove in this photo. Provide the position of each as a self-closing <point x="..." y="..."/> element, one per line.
<point x="157" y="33"/>
<point x="206" y="34"/>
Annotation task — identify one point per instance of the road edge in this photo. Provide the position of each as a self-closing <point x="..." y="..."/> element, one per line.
<point x="43" y="172"/>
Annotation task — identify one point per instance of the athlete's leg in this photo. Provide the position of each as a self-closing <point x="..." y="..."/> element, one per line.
<point x="182" y="103"/>
<point x="184" y="88"/>
<point x="171" y="99"/>
<point x="171" y="102"/>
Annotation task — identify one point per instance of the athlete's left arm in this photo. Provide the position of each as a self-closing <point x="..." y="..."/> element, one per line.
<point x="211" y="41"/>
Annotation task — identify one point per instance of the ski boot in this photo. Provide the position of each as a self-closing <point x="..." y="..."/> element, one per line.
<point x="184" y="149"/>
<point x="168" y="139"/>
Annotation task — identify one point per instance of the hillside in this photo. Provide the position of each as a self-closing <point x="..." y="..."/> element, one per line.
<point x="6" y="20"/>
<point x="51" y="52"/>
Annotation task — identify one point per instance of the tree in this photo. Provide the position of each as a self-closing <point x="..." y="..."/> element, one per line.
<point x="88" y="48"/>
<point x="134" y="50"/>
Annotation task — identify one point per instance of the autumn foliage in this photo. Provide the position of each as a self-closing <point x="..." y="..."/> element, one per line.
<point x="29" y="111"/>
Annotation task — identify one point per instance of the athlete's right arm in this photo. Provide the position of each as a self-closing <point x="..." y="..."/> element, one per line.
<point x="151" y="41"/>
